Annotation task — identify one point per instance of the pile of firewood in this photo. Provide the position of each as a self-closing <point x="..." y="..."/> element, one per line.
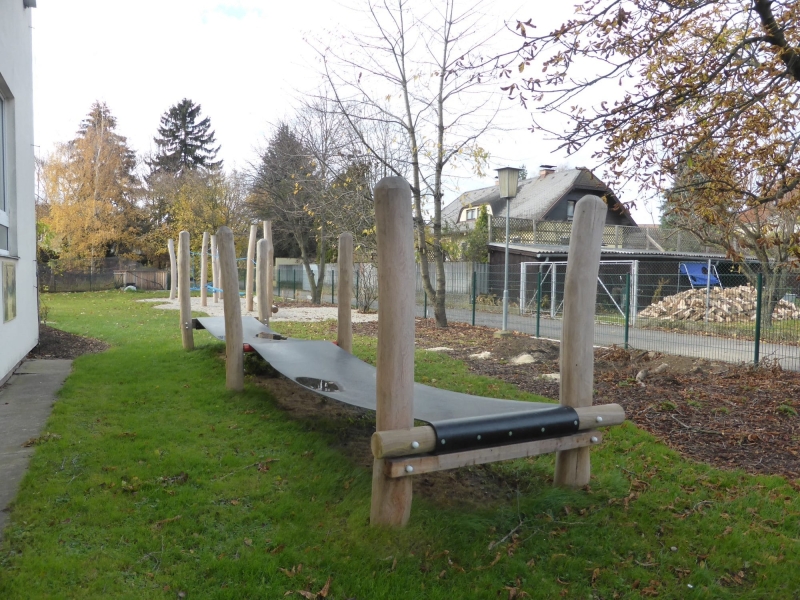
<point x="726" y="305"/>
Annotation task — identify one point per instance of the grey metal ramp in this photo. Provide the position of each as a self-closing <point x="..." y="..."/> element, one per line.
<point x="328" y="370"/>
<point x="251" y="327"/>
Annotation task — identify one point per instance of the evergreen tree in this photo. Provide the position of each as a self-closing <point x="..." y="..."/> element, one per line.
<point x="184" y="144"/>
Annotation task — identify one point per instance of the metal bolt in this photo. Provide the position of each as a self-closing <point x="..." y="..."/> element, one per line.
<point x="479" y="437"/>
<point x="599" y="419"/>
<point x="594" y="440"/>
<point x="415" y="445"/>
<point x="442" y="441"/>
<point x="575" y="423"/>
<point x="542" y="429"/>
<point x="510" y="433"/>
<point x="409" y="469"/>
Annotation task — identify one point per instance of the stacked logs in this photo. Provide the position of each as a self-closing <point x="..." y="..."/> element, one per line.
<point x="726" y="305"/>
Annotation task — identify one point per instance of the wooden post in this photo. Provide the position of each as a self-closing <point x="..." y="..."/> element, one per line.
<point x="264" y="308"/>
<point x="229" y="278"/>
<point x="204" y="270"/>
<point x="270" y="257"/>
<point x="344" y="291"/>
<point x="573" y="467"/>
<point x="251" y="256"/>
<point x="173" y="270"/>
<point x="214" y="270"/>
<point x="185" y="296"/>
<point x="391" y="498"/>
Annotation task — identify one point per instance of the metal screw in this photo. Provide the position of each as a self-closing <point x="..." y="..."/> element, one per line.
<point x="510" y="433"/>
<point x="542" y="429"/>
<point x="479" y="437"/>
<point x="415" y="445"/>
<point x="443" y="442"/>
<point x="409" y="469"/>
<point x="594" y="440"/>
<point x="575" y="423"/>
<point x="599" y="419"/>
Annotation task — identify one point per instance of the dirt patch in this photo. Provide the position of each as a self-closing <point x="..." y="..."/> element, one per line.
<point x="54" y="343"/>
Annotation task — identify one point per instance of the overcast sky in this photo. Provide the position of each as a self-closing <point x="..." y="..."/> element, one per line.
<point x="244" y="61"/>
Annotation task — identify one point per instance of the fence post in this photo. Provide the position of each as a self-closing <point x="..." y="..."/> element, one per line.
<point x="474" y="294"/>
<point x="294" y="283"/>
<point x="539" y="301"/>
<point x="759" y="288"/>
<point x="627" y="306"/>
<point x="333" y="283"/>
<point x="425" y="305"/>
<point x="279" y="283"/>
<point x="357" y="272"/>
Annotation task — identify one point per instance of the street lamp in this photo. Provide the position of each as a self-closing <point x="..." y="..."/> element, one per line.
<point x="508" y="178"/>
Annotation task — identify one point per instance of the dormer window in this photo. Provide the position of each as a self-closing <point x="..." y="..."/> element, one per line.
<point x="471" y="214"/>
<point x="570" y="209"/>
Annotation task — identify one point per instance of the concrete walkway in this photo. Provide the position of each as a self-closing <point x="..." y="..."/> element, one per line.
<point x="25" y="404"/>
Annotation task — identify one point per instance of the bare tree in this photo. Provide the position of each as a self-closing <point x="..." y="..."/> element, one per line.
<point x="419" y="72"/>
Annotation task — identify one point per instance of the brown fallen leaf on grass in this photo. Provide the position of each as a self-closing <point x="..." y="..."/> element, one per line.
<point x="45" y="437"/>
<point x="160" y="524"/>
<point x="323" y="593"/>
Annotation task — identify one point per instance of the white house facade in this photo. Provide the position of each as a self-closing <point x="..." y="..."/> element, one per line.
<point x="19" y="319"/>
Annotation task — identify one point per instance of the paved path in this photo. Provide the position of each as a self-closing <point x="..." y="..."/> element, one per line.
<point x="683" y="344"/>
<point x="25" y="404"/>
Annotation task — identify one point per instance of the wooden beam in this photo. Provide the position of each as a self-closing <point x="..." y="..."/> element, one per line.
<point x="204" y="270"/>
<point x="173" y="270"/>
<point x="573" y="467"/>
<point x="251" y="256"/>
<point x="270" y="258"/>
<point x="229" y="277"/>
<point x="184" y="287"/>
<point x="214" y="267"/>
<point x="261" y="281"/>
<point x="344" y="293"/>
<point x="402" y="468"/>
<point x="391" y="498"/>
<point x="422" y="440"/>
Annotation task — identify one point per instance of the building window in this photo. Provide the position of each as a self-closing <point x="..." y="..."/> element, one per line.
<point x="3" y="191"/>
<point x="472" y="214"/>
<point x="570" y="209"/>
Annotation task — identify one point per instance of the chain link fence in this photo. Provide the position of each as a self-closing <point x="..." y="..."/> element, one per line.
<point x="696" y="309"/>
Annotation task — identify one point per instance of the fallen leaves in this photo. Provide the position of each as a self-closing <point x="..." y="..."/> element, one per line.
<point x="159" y="524"/>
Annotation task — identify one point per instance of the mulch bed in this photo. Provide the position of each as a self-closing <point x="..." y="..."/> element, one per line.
<point x="54" y="343"/>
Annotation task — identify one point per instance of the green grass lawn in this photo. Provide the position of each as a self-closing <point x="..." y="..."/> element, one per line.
<point x="162" y="484"/>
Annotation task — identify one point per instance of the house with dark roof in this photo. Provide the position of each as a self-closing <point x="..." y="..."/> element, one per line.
<point x="551" y="196"/>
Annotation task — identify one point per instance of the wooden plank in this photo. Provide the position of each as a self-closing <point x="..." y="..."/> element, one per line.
<point x="344" y="293"/>
<point x="173" y="270"/>
<point x="185" y="296"/>
<point x="422" y="440"/>
<point x="229" y="277"/>
<point x="402" y="468"/>
<point x="391" y="498"/>
<point x="573" y="467"/>
<point x="204" y="270"/>
<point x="251" y="256"/>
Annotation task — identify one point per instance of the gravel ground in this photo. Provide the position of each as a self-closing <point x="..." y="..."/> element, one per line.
<point x="299" y="313"/>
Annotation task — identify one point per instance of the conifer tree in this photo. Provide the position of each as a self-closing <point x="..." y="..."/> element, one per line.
<point x="184" y="143"/>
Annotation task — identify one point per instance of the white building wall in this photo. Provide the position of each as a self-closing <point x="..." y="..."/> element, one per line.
<point x="20" y="334"/>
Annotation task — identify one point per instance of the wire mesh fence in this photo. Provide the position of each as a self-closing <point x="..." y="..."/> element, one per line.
<point x="99" y="274"/>
<point x="698" y="309"/>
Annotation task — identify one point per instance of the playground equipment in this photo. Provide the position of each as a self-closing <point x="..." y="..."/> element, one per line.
<point x="462" y="430"/>
<point x="699" y="274"/>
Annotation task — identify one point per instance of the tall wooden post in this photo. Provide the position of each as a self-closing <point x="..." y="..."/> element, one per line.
<point x="229" y="278"/>
<point x="270" y="267"/>
<point x="251" y="256"/>
<point x="264" y="307"/>
<point x="173" y="270"/>
<point x="185" y="296"/>
<point x="344" y="292"/>
<point x="204" y="270"/>
<point x="391" y="498"/>
<point x="215" y="267"/>
<point x="573" y="467"/>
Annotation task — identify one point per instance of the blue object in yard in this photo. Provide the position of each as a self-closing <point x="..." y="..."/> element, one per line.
<point x="698" y="274"/>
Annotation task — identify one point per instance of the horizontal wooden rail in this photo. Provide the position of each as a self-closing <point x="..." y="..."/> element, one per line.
<point x="417" y="465"/>
<point x="422" y="440"/>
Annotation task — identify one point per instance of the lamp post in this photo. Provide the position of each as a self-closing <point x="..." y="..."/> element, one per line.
<point x="508" y="178"/>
